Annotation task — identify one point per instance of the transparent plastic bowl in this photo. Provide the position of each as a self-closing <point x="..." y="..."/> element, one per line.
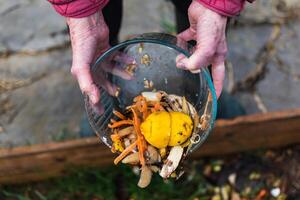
<point x="162" y="49"/>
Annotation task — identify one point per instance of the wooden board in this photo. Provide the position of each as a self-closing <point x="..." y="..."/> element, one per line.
<point x="38" y="162"/>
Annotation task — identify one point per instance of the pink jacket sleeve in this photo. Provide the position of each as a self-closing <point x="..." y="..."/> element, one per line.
<point x="228" y="8"/>
<point x="83" y="8"/>
<point x="77" y="8"/>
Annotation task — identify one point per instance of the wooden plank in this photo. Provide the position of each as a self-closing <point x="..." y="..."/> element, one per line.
<point x="274" y="129"/>
<point x="38" y="162"/>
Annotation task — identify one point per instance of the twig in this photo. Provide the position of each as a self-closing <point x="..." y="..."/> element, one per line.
<point x="7" y="53"/>
<point x="262" y="59"/>
<point x="8" y="85"/>
<point x="261" y="106"/>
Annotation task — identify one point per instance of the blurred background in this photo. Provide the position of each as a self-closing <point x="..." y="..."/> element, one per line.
<point x="41" y="102"/>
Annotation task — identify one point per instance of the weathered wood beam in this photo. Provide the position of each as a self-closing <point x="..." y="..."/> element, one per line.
<point x="38" y="162"/>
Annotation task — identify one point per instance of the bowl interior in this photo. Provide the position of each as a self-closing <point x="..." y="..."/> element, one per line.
<point x="155" y="70"/>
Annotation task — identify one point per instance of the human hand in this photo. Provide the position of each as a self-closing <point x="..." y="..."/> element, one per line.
<point x="89" y="39"/>
<point x="208" y="29"/>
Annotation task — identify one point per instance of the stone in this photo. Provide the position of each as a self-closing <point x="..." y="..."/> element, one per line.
<point x="274" y="11"/>
<point x="288" y="50"/>
<point x="49" y="109"/>
<point x="31" y="26"/>
<point x="247" y="101"/>
<point x="243" y="45"/>
<point x="279" y="90"/>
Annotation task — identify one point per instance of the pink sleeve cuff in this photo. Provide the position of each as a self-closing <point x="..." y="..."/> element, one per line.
<point x="228" y="8"/>
<point x="77" y="8"/>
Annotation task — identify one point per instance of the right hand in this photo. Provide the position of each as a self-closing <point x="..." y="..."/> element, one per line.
<point x="89" y="39"/>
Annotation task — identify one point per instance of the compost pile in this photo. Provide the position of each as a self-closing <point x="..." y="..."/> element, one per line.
<point x="155" y="133"/>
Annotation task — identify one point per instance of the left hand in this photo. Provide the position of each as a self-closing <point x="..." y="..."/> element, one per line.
<point x="208" y="29"/>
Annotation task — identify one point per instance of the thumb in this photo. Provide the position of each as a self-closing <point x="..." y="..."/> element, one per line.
<point x="86" y="84"/>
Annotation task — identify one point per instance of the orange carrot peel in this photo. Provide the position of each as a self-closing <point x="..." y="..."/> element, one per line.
<point x="120" y="123"/>
<point x="118" y="114"/>
<point x="125" y="153"/>
<point x="140" y="138"/>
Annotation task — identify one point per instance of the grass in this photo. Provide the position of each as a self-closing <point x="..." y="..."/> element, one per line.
<point x="86" y="184"/>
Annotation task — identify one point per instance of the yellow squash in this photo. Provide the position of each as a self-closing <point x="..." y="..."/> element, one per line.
<point x="162" y="129"/>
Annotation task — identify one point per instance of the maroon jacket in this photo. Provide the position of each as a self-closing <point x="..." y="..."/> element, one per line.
<point x="77" y="8"/>
<point x="83" y="8"/>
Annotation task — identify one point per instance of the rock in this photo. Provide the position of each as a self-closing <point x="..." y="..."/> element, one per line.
<point x="50" y="108"/>
<point x="247" y="101"/>
<point x="278" y="90"/>
<point x="289" y="51"/>
<point x="274" y="11"/>
<point x="244" y="44"/>
<point x="31" y="26"/>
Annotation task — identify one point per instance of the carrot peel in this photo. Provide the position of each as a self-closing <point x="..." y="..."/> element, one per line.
<point x="125" y="153"/>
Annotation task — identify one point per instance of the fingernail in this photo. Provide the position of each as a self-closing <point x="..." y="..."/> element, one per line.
<point x="196" y="71"/>
<point x="93" y="98"/>
<point x="180" y="65"/>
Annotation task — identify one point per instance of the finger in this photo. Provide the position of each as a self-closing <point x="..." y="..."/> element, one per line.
<point x="200" y="58"/>
<point x="116" y="69"/>
<point x="86" y="84"/>
<point x="123" y="58"/>
<point x="102" y="81"/>
<point x="186" y="35"/>
<point x="100" y="50"/>
<point x="179" y="62"/>
<point x="180" y="57"/>
<point x="98" y="108"/>
<point x="218" y="74"/>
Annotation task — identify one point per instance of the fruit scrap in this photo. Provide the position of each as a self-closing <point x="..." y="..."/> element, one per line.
<point x="120" y="123"/>
<point x="118" y="145"/>
<point x="172" y="161"/>
<point x="163" y="152"/>
<point x="153" y="155"/>
<point x="125" y="131"/>
<point x="148" y="84"/>
<point x="145" y="59"/>
<point x="154" y="133"/>
<point x="152" y="96"/>
<point x="176" y="130"/>
<point x="130" y="68"/>
<point x="131" y="159"/>
<point x="145" y="178"/>
<point x="125" y="152"/>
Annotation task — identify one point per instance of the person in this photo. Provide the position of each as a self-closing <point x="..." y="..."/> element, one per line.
<point x="94" y="26"/>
